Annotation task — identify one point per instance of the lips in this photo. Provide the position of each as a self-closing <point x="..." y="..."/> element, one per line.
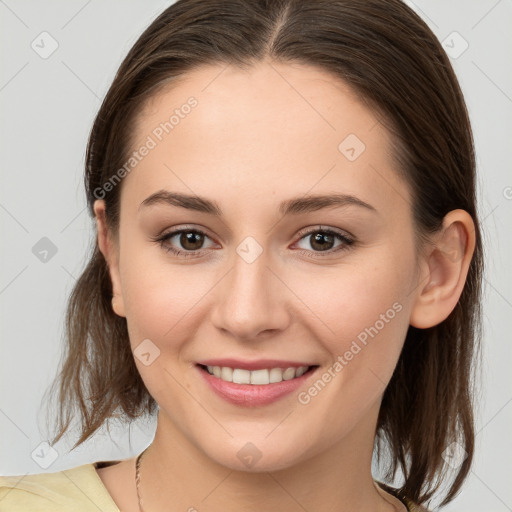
<point x="251" y="394"/>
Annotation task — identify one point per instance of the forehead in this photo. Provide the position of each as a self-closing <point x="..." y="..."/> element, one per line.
<point x="284" y="128"/>
<point x="260" y="99"/>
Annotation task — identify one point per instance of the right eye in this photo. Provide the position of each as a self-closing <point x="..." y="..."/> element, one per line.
<point x="190" y="239"/>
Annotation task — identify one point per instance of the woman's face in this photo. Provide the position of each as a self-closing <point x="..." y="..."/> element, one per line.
<point x="265" y="281"/>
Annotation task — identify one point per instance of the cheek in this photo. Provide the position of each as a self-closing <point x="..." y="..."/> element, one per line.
<point x="367" y="313"/>
<point x="162" y="302"/>
<point x="156" y="294"/>
<point x="361" y="311"/>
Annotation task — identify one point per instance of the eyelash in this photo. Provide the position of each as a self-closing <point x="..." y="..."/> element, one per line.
<point x="346" y="242"/>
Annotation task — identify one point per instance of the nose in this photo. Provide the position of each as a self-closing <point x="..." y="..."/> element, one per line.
<point x="251" y="301"/>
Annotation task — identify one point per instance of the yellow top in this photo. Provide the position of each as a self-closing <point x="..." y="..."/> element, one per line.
<point x="79" y="489"/>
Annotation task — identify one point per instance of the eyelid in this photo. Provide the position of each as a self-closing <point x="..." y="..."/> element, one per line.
<point x="303" y="232"/>
<point x="166" y="235"/>
<point x="180" y="228"/>
<point x="328" y="229"/>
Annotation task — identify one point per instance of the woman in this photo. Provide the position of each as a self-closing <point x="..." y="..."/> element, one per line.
<point x="287" y="266"/>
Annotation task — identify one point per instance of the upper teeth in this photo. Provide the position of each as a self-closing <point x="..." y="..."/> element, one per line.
<point x="267" y="376"/>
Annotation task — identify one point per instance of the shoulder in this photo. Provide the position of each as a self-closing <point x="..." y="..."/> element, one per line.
<point x="79" y="489"/>
<point x="411" y="506"/>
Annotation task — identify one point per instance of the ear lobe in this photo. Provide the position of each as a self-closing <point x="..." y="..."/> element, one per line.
<point x="447" y="264"/>
<point x="109" y="249"/>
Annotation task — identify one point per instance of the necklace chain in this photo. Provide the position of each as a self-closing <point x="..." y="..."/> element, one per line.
<point x="137" y="481"/>
<point x="137" y="478"/>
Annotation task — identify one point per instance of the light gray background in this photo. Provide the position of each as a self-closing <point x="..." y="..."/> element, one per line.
<point x="47" y="109"/>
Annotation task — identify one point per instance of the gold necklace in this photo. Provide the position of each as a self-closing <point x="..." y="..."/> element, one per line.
<point x="137" y="478"/>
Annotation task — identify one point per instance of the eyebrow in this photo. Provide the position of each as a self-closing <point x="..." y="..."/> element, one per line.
<point x="293" y="206"/>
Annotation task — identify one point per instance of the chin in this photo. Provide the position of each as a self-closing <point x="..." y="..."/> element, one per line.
<point x="256" y="456"/>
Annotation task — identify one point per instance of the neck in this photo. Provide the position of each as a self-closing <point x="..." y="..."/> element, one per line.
<point x="175" y="473"/>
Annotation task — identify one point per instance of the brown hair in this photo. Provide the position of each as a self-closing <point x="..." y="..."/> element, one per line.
<point x="393" y="61"/>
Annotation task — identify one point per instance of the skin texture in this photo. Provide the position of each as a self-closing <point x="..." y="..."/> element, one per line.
<point x="258" y="137"/>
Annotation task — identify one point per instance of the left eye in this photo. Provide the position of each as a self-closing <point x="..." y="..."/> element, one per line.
<point x="323" y="239"/>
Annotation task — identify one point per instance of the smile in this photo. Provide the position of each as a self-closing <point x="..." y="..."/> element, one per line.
<point x="256" y="377"/>
<point x="254" y="388"/>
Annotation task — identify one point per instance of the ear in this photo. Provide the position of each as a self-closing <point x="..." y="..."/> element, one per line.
<point x="110" y="250"/>
<point x="446" y="266"/>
